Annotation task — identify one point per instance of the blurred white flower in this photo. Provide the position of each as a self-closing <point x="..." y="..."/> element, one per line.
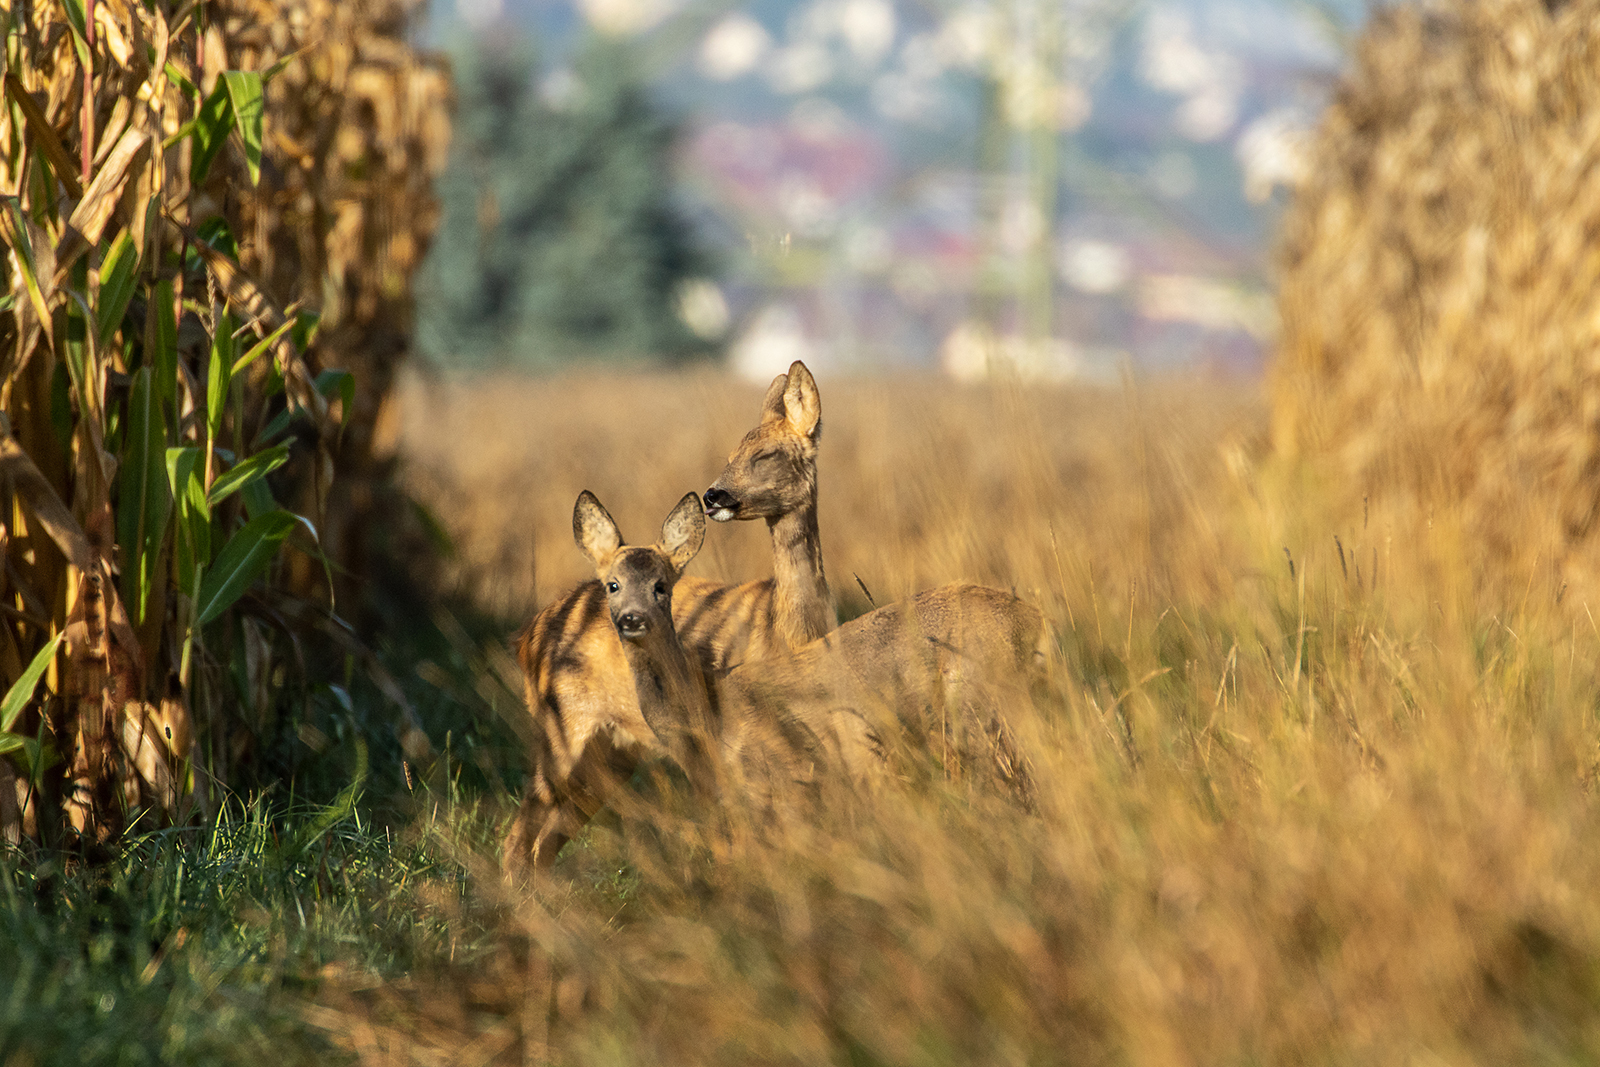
<point x="800" y="68"/>
<point x="1034" y="97"/>
<point x="970" y="36"/>
<point x="733" y="48"/>
<point x="1212" y="81"/>
<point x="560" y="89"/>
<point x="819" y="119"/>
<point x="1273" y="151"/>
<point x="774" y="339"/>
<point x="1095" y="266"/>
<point x="1171" y="60"/>
<point x="922" y="57"/>
<point x="623" y="18"/>
<point x="1021" y="225"/>
<point x="904" y="98"/>
<point x="479" y="13"/>
<point x="1216" y="304"/>
<point x="973" y="353"/>
<point x="1209" y="114"/>
<point x="1173" y="175"/>
<point x="867" y="27"/>
<point x="703" y="308"/>
<point x="805" y="207"/>
<point x="868" y="250"/>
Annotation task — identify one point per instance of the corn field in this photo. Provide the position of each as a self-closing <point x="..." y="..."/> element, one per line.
<point x="211" y="212"/>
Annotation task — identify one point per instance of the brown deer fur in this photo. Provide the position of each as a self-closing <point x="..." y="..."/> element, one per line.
<point x="589" y="731"/>
<point x="926" y="667"/>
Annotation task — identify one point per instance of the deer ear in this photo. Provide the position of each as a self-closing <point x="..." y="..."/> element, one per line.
<point x="595" y="530"/>
<point x="684" y="532"/>
<point x="772" y="406"/>
<point x="801" y="404"/>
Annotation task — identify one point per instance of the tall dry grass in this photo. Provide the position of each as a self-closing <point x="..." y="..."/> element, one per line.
<point x="1316" y="794"/>
<point x="1439" y="288"/>
<point x="921" y="483"/>
<point x="1316" y="759"/>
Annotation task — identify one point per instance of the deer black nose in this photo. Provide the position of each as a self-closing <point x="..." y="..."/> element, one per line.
<point x="718" y="499"/>
<point x="632" y="624"/>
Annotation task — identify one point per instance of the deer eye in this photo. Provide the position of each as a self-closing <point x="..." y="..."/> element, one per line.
<point x="612" y="587"/>
<point x="661" y="589"/>
<point x="766" y="457"/>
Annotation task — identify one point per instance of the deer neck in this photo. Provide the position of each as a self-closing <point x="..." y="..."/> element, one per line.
<point x="802" y="604"/>
<point x="672" y="692"/>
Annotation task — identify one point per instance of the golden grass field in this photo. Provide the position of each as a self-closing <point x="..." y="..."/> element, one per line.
<point x="1306" y="794"/>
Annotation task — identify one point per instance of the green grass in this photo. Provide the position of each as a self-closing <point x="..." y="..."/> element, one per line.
<point x="208" y="945"/>
<point x="197" y="946"/>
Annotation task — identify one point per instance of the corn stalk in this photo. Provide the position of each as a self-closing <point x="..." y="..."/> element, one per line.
<point x="150" y="383"/>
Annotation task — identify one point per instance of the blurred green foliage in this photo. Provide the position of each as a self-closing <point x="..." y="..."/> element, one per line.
<point x="558" y="237"/>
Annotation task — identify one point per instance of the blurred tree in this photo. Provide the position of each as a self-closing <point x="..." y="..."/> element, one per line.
<point x="558" y="237"/>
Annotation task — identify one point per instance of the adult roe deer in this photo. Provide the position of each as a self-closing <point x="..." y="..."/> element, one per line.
<point x="776" y="722"/>
<point x="589" y="731"/>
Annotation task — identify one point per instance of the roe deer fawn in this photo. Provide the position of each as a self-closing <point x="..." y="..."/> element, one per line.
<point x="776" y="722"/>
<point x="589" y="731"/>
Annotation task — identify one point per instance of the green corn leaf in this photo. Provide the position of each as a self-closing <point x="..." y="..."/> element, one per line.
<point x="182" y="81"/>
<point x="278" y="67"/>
<point x="193" y="543"/>
<point x="164" y="343"/>
<point x="261" y="346"/>
<point x="75" y="17"/>
<point x="306" y="326"/>
<point x="251" y="470"/>
<point x="242" y="560"/>
<point x="219" y="374"/>
<point x="345" y="383"/>
<point x="76" y="20"/>
<point x="118" y="275"/>
<point x="183" y="476"/>
<point x="144" y="503"/>
<point x="280" y="422"/>
<point x="22" y="245"/>
<point x="258" y="499"/>
<point x="244" y="91"/>
<point x="77" y="342"/>
<point x="216" y="234"/>
<point x="211" y="128"/>
<point x="19" y="694"/>
<point x="11" y="742"/>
